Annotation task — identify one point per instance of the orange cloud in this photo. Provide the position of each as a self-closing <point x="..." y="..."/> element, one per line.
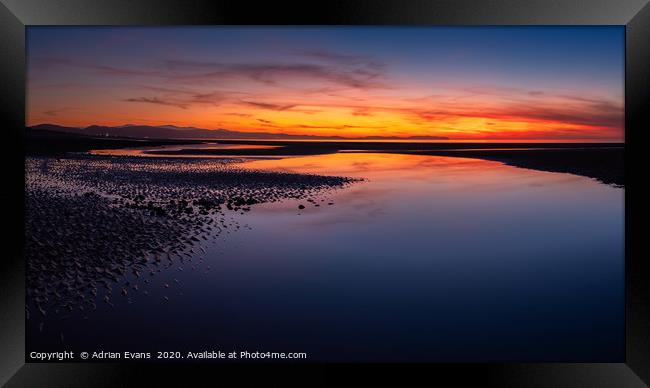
<point x="341" y="95"/>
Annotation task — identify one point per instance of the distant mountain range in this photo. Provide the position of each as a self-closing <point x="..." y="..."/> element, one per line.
<point x="174" y="132"/>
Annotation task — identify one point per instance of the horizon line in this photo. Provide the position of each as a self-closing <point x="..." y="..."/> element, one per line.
<point x="341" y="137"/>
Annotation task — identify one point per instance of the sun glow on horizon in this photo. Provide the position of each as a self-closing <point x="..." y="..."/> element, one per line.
<point x="460" y="83"/>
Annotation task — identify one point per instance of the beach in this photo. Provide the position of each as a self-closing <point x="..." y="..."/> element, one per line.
<point x="419" y="195"/>
<point x="90" y="220"/>
<point x="322" y="240"/>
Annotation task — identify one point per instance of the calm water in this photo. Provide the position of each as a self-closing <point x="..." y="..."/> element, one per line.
<point x="428" y="259"/>
<point x="146" y="151"/>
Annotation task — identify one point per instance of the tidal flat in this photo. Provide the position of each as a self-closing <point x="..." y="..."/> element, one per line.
<point x="355" y="256"/>
<point x="91" y="220"/>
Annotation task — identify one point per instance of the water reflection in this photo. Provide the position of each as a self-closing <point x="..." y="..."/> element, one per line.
<point x="427" y="259"/>
<point x="177" y="150"/>
<point x="439" y="258"/>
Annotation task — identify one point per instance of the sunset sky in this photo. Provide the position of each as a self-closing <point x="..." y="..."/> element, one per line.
<point x="465" y="83"/>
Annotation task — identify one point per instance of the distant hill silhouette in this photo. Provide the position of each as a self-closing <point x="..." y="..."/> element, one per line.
<point x="174" y="132"/>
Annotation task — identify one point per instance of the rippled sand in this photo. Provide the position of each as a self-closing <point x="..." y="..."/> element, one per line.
<point x="90" y="220"/>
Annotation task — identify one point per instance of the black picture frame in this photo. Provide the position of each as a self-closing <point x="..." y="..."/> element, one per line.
<point x="15" y="15"/>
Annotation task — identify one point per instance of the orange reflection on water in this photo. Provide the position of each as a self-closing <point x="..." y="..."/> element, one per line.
<point x="399" y="167"/>
<point x="401" y="188"/>
<point x="149" y="151"/>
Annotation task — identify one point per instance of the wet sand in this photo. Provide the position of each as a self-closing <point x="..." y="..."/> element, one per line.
<point x="601" y="161"/>
<point x="125" y="237"/>
<point x="44" y="142"/>
<point x="602" y="164"/>
<point x="91" y="220"/>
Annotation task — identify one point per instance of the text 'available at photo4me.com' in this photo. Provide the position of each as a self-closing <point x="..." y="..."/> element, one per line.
<point x="165" y="355"/>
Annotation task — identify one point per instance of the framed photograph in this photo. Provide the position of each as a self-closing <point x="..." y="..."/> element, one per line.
<point x="323" y="194"/>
